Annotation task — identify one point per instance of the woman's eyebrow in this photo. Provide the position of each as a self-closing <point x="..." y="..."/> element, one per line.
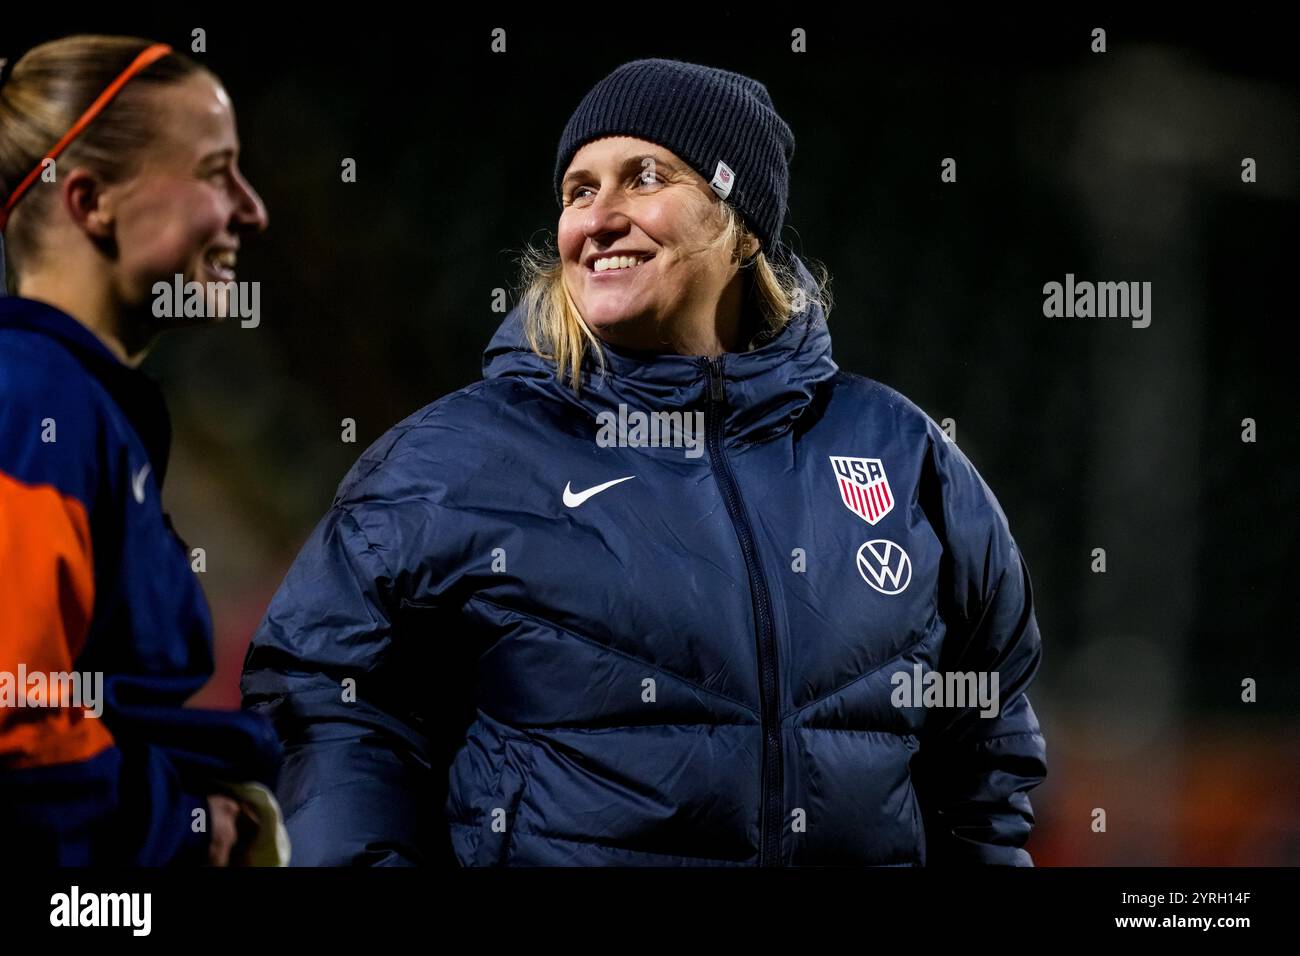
<point x="632" y="162"/>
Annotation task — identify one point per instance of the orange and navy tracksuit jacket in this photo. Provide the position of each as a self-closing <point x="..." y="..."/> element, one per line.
<point x="93" y="580"/>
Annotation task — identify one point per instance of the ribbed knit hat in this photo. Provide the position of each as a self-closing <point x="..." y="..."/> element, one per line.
<point x="721" y="123"/>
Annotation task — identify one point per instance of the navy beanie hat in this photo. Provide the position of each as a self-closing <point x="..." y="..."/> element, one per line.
<point x="721" y="123"/>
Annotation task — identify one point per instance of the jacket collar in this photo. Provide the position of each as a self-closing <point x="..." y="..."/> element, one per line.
<point x="765" y="389"/>
<point x="134" y="392"/>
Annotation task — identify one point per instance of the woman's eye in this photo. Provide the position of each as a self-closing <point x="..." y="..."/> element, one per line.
<point x="640" y="179"/>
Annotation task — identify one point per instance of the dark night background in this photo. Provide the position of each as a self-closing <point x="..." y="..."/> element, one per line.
<point x="1122" y="166"/>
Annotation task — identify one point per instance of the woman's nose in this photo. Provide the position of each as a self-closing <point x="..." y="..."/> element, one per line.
<point x="605" y="214"/>
<point x="251" y="211"/>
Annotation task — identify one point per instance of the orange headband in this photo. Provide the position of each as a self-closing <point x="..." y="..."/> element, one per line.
<point x="151" y="54"/>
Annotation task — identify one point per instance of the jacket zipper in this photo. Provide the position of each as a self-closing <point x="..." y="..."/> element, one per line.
<point x="770" y="817"/>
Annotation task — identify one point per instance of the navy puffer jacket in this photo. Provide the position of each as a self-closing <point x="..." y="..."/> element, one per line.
<point x="514" y="640"/>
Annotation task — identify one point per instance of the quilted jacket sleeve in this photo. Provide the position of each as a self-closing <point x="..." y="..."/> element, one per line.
<point x="342" y="664"/>
<point x="973" y="772"/>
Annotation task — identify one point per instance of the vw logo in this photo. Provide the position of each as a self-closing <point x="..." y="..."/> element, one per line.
<point x="885" y="566"/>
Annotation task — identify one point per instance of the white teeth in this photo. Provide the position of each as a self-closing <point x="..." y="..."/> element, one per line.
<point x="224" y="258"/>
<point x="617" y="262"/>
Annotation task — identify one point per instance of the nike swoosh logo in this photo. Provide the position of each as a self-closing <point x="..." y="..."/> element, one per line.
<point x="137" y="484"/>
<point x="573" y="500"/>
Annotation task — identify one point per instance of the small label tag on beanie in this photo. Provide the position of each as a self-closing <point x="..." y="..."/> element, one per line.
<point x="723" y="180"/>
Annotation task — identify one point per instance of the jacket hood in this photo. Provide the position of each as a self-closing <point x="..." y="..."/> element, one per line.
<point x="765" y="389"/>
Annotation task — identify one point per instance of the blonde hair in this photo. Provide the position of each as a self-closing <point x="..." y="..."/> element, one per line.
<point x="46" y="92"/>
<point x="557" y="333"/>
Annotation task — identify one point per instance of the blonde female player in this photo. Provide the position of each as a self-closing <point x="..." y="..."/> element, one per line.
<point x="118" y="169"/>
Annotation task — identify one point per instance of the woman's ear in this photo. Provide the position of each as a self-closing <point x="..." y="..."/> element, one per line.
<point x="83" y="197"/>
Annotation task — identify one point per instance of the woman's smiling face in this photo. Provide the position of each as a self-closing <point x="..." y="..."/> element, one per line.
<point x="185" y="210"/>
<point x="628" y="196"/>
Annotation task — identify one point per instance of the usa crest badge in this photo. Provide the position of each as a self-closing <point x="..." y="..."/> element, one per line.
<point x="864" y="489"/>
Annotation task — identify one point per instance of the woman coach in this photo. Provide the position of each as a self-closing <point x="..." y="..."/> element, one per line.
<point x="509" y="643"/>
<point x="118" y="169"/>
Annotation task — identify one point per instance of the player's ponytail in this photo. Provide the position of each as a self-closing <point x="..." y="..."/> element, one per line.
<point x="43" y="95"/>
